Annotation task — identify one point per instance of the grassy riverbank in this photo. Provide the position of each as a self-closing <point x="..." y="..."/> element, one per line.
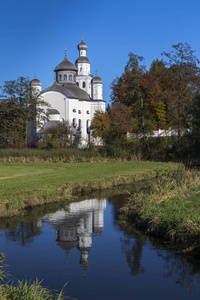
<point x="29" y="184"/>
<point x="21" y="289"/>
<point x="169" y="209"/>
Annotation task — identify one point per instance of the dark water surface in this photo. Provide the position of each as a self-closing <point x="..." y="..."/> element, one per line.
<point x="84" y="245"/>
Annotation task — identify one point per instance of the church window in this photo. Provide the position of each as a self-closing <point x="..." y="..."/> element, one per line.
<point x="74" y="123"/>
<point x="60" y="77"/>
<point x="74" y="78"/>
<point x="80" y="69"/>
<point x="77" y="83"/>
<point x="65" y="77"/>
<point x="70" y="77"/>
<point x="83" y="84"/>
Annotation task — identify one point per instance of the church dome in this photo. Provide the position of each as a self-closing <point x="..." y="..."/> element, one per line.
<point x="82" y="46"/>
<point x="35" y="82"/>
<point x="65" y="65"/>
<point x="97" y="79"/>
<point x="82" y="59"/>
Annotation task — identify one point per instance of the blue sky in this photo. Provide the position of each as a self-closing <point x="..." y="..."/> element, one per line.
<point x="34" y="34"/>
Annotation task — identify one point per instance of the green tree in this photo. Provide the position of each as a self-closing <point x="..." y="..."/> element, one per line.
<point x="184" y="80"/>
<point x="129" y="89"/>
<point x="100" y="125"/>
<point x="18" y="109"/>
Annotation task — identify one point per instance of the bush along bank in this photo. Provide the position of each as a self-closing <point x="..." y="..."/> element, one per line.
<point x="169" y="209"/>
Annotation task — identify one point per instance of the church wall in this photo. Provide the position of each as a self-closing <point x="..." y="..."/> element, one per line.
<point x="57" y="101"/>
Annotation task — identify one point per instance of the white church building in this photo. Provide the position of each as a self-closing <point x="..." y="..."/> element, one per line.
<point x="74" y="96"/>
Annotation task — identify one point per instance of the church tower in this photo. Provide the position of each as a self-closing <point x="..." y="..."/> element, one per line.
<point x="97" y="88"/>
<point x="83" y="78"/>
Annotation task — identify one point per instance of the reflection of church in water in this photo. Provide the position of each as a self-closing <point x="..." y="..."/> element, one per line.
<point x="74" y="228"/>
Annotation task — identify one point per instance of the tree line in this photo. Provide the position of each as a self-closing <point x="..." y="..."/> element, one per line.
<point x="163" y="97"/>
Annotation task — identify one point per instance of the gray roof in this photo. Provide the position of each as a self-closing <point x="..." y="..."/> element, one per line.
<point x="35" y="82"/>
<point x="82" y="59"/>
<point x="70" y="90"/>
<point x="53" y="112"/>
<point x="82" y="46"/>
<point x="97" y="79"/>
<point x="65" y="65"/>
<point x="49" y="125"/>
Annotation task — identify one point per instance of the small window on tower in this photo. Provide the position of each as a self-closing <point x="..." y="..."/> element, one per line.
<point x="74" y="78"/>
<point x="70" y="77"/>
<point x="60" y="77"/>
<point x="83" y="85"/>
<point x="77" y="83"/>
<point x="65" y="77"/>
<point x="80" y="69"/>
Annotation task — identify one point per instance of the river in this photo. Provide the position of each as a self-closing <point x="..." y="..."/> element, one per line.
<point x="82" y="244"/>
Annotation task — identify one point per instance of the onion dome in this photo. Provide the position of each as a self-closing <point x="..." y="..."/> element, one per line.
<point x="82" y="45"/>
<point x="35" y="82"/>
<point x="65" y="65"/>
<point x="97" y="79"/>
<point x="82" y="59"/>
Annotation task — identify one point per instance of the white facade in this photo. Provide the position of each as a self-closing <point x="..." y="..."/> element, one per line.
<point x="74" y="96"/>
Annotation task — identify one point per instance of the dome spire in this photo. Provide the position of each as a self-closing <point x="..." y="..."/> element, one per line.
<point x="96" y="73"/>
<point x="35" y="76"/>
<point x="81" y="36"/>
<point x="65" y="52"/>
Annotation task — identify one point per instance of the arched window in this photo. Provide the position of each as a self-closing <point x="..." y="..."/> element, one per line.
<point x="77" y="83"/>
<point x="60" y="77"/>
<point x="80" y="69"/>
<point x="83" y="85"/>
<point x="74" y="78"/>
<point x="88" y="126"/>
<point x="65" y="77"/>
<point x="70" y="77"/>
<point x="79" y="125"/>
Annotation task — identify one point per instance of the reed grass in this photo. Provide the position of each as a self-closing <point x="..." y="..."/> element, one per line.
<point x="11" y="289"/>
<point x="170" y="210"/>
<point x="68" y="155"/>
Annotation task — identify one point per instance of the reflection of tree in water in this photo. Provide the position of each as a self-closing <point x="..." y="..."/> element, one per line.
<point x="24" y="232"/>
<point x="185" y="272"/>
<point x="131" y="247"/>
<point x="133" y="251"/>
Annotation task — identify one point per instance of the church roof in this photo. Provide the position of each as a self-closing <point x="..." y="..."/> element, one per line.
<point x="53" y="112"/>
<point x="65" y="65"/>
<point x="70" y="90"/>
<point x="82" y="59"/>
<point x="48" y="126"/>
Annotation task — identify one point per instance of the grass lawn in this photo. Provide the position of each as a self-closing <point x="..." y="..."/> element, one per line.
<point x="29" y="184"/>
